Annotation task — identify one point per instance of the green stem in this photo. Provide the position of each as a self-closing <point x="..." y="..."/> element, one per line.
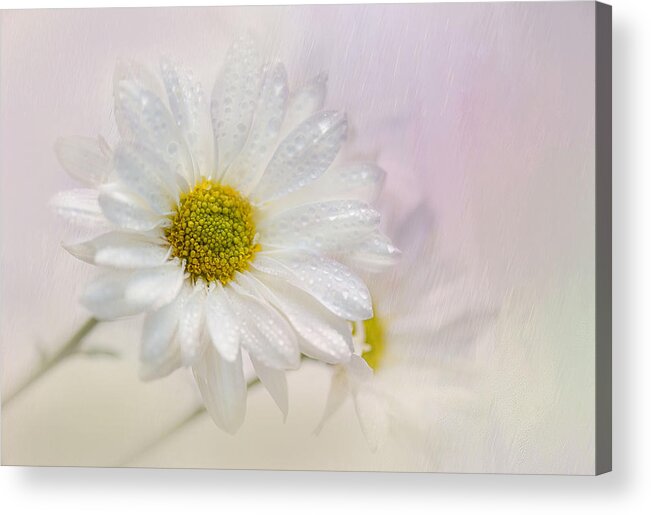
<point x="199" y="411"/>
<point x="69" y="348"/>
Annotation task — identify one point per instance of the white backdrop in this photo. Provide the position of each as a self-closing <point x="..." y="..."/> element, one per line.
<point x="626" y="489"/>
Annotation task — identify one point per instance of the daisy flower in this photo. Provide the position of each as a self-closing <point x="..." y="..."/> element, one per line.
<point x="229" y="240"/>
<point x="415" y="361"/>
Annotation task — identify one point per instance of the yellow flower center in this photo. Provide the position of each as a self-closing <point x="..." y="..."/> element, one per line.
<point x="373" y="341"/>
<point x="213" y="232"/>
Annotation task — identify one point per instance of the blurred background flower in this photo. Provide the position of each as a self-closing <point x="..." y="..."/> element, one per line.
<point x="420" y="360"/>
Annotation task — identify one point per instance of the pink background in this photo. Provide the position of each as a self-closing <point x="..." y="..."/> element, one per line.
<point x="484" y="111"/>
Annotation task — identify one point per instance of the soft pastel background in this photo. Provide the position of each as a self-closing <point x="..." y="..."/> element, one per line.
<point x="486" y="112"/>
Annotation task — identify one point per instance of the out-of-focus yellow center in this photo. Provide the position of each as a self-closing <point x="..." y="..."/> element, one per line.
<point x="373" y="341"/>
<point x="212" y="230"/>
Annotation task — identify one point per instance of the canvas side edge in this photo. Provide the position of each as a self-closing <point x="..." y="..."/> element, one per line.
<point x="603" y="228"/>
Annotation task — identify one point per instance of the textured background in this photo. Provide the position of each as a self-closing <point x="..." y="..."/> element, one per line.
<point x="484" y="111"/>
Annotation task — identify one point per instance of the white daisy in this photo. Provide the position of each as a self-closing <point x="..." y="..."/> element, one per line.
<point x="228" y="240"/>
<point x="415" y="362"/>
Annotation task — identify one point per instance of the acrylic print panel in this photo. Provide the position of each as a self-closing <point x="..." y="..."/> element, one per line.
<point x="350" y="238"/>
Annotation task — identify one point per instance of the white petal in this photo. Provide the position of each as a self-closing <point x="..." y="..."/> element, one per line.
<point x="324" y="336"/>
<point x="333" y="226"/>
<point x="83" y="158"/>
<point x="222" y="388"/>
<point x="222" y="325"/>
<point x="306" y="101"/>
<point x="159" y="351"/>
<point x="190" y="110"/>
<point x="133" y="72"/>
<point x="330" y="282"/>
<point x="264" y="333"/>
<point x="79" y="206"/>
<point x="234" y="99"/>
<point x="374" y="252"/>
<point x="148" y="176"/>
<point x="121" y="293"/>
<point x="190" y="331"/>
<point x="121" y="250"/>
<point x="126" y="210"/>
<point x="302" y="156"/>
<point x="247" y="167"/>
<point x="153" y="126"/>
<point x="373" y="416"/>
<point x="155" y="286"/>
<point x="358" y="370"/>
<point x="371" y="406"/>
<point x="276" y="384"/>
<point x="362" y="181"/>
<point x="338" y="393"/>
<point x="180" y="94"/>
<point x="149" y="371"/>
<point x="354" y="377"/>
